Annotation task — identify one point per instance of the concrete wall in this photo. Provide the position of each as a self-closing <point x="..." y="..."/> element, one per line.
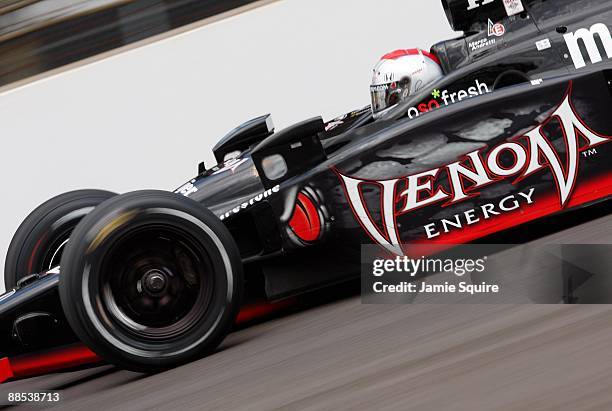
<point x="146" y="117"/>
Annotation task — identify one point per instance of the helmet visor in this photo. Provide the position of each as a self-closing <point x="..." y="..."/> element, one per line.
<point x="385" y="96"/>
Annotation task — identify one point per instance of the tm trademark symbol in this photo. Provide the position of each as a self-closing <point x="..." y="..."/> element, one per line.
<point x="589" y="153"/>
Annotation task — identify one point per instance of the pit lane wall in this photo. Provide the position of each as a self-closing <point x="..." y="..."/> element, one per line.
<point x="144" y="118"/>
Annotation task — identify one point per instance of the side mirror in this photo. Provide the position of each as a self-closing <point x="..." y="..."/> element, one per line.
<point x="244" y="136"/>
<point x="289" y="152"/>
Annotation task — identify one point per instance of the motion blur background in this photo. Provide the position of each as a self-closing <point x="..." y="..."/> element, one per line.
<point x="127" y="95"/>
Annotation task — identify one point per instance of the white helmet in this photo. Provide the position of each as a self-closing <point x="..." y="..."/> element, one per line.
<point x="401" y="74"/>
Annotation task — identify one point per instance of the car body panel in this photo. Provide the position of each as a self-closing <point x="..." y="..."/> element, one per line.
<point x="394" y="181"/>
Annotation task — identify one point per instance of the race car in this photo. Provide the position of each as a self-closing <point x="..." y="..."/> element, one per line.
<point x="518" y="129"/>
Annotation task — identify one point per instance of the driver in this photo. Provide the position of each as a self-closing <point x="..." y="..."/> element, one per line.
<point x="401" y="74"/>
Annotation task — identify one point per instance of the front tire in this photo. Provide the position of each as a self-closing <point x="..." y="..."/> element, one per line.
<point x="151" y="280"/>
<point x="38" y="244"/>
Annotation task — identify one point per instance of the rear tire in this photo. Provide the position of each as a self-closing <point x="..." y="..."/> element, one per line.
<point x="38" y="243"/>
<point x="151" y="280"/>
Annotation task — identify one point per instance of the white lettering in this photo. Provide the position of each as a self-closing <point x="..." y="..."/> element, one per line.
<point x="588" y="37"/>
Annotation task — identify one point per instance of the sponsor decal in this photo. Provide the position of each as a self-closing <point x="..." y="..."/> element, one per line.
<point x="481" y="44"/>
<point x="443" y="98"/>
<point x="532" y="152"/>
<point x="588" y="37"/>
<point x="381" y="87"/>
<point x="493" y="30"/>
<point x="512" y="7"/>
<point x="229" y="165"/>
<point x="474" y="4"/>
<point x="187" y="189"/>
<point x="257" y="199"/>
<point x="496" y="29"/>
<point x="543" y="44"/>
<point x="482" y="213"/>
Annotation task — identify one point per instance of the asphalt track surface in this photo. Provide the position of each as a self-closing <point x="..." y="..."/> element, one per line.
<point x="345" y="355"/>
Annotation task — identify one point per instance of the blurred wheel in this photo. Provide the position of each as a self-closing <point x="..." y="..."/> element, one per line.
<point x="151" y="280"/>
<point x="40" y="240"/>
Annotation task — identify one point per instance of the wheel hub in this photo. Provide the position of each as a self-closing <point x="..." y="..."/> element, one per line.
<point x="155" y="281"/>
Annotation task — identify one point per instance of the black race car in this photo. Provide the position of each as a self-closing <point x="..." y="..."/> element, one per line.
<point x="517" y="130"/>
